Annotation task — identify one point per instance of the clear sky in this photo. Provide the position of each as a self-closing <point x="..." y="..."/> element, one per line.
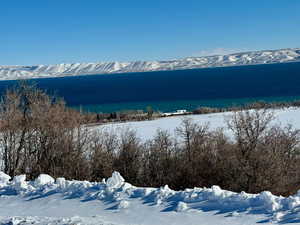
<point x="61" y="31"/>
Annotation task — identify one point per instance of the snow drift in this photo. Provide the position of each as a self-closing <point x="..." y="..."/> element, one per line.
<point x="122" y="194"/>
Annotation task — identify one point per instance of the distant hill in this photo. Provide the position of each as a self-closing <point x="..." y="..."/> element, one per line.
<point x="72" y="69"/>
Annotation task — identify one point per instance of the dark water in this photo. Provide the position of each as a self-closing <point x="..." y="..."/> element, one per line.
<point x="171" y="90"/>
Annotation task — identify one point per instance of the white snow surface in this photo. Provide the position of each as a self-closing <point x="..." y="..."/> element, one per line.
<point x="117" y="202"/>
<point x="146" y="130"/>
<point x="73" y="69"/>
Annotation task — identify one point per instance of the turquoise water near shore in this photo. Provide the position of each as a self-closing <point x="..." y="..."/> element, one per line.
<point x="190" y="105"/>
<point x="179" y="89"/>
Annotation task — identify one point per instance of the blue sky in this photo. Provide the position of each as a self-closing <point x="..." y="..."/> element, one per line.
<point x="62" y="31"/>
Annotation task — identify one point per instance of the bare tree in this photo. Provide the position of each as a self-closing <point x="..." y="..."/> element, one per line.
<point x="38" y="134"/>
<point x="103" y="148"/>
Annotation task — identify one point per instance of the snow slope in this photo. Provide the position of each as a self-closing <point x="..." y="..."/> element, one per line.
<point x="147" y="129"/>
<point x="49" y="201"/>
<point x="72" y="69"/>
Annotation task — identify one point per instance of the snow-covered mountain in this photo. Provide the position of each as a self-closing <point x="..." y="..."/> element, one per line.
<point x="72" y="69"/>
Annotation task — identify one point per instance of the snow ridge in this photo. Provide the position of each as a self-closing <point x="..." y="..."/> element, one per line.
<point x="73" y="69"/>
<point x="116" y="190"/>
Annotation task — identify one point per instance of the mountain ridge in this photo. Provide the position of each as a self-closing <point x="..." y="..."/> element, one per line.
<point x="75" y="69"/>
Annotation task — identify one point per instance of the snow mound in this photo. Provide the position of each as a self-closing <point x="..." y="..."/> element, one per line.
<point x="181" y="206"/>
<point x="115" y="181"/>
<point x="123" y="204"/>
<point x="43" y="179"/>
<point x="19" y="184"/>
<point x="124" y="195"/>
<point x="4" y="178"/>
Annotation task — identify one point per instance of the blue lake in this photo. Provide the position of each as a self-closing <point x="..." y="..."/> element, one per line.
<point x="171" y="90"/>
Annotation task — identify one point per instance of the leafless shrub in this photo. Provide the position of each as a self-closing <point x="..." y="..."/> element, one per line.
<point x="39" y="134"/>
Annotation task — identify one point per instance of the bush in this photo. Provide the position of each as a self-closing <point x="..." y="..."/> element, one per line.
<point x="39" y="134"/>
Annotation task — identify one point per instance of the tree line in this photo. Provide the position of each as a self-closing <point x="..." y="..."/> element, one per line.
<point x="39" y="134"/>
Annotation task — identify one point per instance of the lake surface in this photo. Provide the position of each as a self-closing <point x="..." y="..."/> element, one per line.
<point x="181" y="89"/>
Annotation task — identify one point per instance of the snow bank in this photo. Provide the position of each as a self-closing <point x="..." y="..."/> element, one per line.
<point x="117" y="191"/>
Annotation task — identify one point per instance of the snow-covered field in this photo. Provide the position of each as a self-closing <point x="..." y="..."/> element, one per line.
<point x="147" y="129"/>
<point x="114" y="202"/>
<point x="49" y="201"/>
